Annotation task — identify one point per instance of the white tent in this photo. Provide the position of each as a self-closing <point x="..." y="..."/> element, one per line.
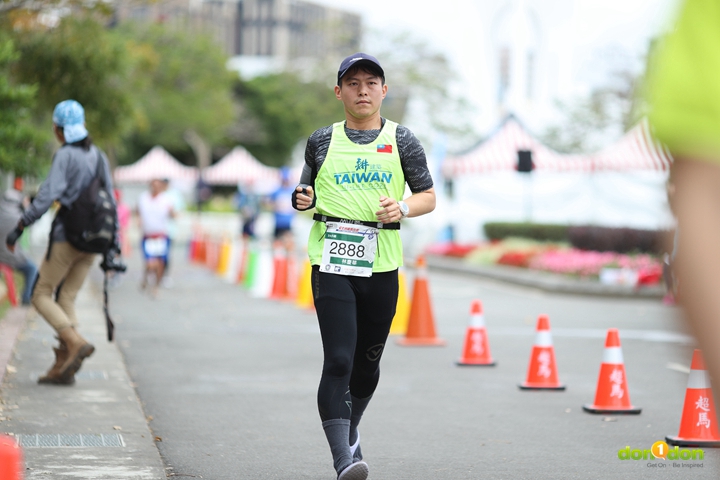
<point x="622" y="185"/>
<point x="239" y="167"/>
<point x="157" y="163"/>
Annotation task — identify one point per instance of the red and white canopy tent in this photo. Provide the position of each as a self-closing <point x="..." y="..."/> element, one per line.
<point x="239" y="167"/>
<point x="156" y="164"/>
<point x="636" y="150"/>
<point x="621" y="185"/>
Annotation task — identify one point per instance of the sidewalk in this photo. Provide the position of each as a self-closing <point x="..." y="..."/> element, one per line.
<point x="95" y="429"/>
<point x="549" y="282"/>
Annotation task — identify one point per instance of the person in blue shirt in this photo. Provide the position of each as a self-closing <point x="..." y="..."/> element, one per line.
<point x="281" y="201"/>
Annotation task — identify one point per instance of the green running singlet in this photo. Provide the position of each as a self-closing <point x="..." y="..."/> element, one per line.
<point x="349" y="185"/>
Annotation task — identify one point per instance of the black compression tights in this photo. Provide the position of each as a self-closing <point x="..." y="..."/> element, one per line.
<point x="355" y="314"/>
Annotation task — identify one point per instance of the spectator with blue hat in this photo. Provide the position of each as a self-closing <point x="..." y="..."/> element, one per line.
<point x="74" y="167"/>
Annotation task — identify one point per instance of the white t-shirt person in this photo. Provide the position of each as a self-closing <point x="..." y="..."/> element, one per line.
<point x="155" y="212"/>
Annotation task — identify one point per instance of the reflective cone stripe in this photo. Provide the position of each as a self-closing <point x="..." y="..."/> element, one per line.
<point x="698" y="425"/>
<point x="476" y="349"/>
<point x="400" y="321"/>
<point x="612" y="394"/>
<point x="421" y="324"/>
<point x="542" y="370"/>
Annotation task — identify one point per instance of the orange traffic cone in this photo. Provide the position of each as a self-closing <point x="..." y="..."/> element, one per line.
<point x="698" y="425"/>
<point x="542" y="371"/>
<point x="612" y="394"/>
<point x="279" y="286"/>
<point x="201" y="249"/>
<point x="10" y="284"/>
<point x="11" y="462"/>
<point x="243" y="261"/>
<point x="476" y="350"/>
<point x="421" y="325"/>
<point x="213" y="254"/>
<point x="192" y="251"/>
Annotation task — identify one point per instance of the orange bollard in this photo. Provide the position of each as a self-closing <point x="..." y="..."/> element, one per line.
<point x="476" y="350"/>
<point x="304" y="297"/>
<point x="11" y="461"/>
<point x="612" y="394"/>
<point x="542" y="371"/>
<point x="402" y="310"/>
<point x="242" y="262"/>
<point x="212" y="254"/>
<point x="421" y="325"/>
<point x="192" y="251"/>
<point x="10" y="283"/>
<point x="201" y="252"/>
<point x="279" y="286"/>
<point x="698" y="425"/>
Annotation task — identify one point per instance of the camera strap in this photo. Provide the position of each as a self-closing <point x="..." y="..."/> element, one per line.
<point x="108" y="320"/>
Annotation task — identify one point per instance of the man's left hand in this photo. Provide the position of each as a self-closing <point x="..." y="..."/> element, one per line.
<point x="389" y="210"/>
<point x="13" y="237"/>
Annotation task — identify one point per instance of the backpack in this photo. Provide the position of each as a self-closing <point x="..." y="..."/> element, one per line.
<point x="90" y="221"/>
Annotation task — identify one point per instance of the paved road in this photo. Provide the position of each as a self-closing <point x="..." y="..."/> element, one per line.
<point x="230" y="382"/>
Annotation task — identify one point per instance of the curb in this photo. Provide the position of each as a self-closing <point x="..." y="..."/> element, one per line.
<point x="545" y="281"/>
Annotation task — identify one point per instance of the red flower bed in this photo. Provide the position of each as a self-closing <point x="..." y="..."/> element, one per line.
<point x="517" y="259"/>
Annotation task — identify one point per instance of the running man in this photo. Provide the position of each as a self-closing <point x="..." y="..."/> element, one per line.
<point x="354" y="174"/>
<point x="155" y="209"/>
<point x="685" y="100"/>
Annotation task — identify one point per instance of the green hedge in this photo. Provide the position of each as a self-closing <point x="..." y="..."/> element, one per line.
<point x="602" y="239"/>
<point x="544" y="232"/>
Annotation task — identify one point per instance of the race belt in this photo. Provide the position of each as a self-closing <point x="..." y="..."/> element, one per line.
<point x="378" y="225"/>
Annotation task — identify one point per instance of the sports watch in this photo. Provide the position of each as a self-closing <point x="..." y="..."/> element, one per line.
<point x="404" y="209"/>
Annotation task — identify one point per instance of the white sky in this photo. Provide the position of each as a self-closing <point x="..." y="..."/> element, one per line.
<point x="587" y="38"/>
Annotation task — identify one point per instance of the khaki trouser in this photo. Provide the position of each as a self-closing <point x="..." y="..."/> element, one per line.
<point x="67" y="267"/>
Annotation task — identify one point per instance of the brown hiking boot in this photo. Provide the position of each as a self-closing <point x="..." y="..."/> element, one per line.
<point x="78" y="350"/>
<point x="53" y="375"/>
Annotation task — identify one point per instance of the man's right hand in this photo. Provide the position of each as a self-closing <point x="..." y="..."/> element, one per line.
<point x="304" y="197"/>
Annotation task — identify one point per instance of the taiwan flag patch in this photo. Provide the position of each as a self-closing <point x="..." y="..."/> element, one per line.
<point x="384" y="148"/>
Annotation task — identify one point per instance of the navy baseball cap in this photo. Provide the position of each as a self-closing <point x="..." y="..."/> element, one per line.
<point x="354" y="59"/>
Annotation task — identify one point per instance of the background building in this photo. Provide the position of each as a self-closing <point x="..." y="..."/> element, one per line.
<point x="282" y="30"/>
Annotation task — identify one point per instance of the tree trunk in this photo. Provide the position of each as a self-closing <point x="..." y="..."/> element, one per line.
<point x="200" y="148"/>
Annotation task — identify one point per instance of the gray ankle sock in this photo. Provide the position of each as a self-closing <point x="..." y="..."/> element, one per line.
<point x="336" y="432"/>
<point x="358" y="408"/>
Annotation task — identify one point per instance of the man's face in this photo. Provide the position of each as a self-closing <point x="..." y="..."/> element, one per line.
<point x="362" y="93"/>
<point x="155" y="187"/>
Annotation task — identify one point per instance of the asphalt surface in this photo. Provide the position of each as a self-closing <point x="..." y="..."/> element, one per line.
<point x="230" y="383"/>
<point x="221" y="385"/>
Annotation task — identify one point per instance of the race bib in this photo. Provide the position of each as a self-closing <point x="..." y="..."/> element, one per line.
<point x="156" y="247"/>
<point x="349" y="249"/>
